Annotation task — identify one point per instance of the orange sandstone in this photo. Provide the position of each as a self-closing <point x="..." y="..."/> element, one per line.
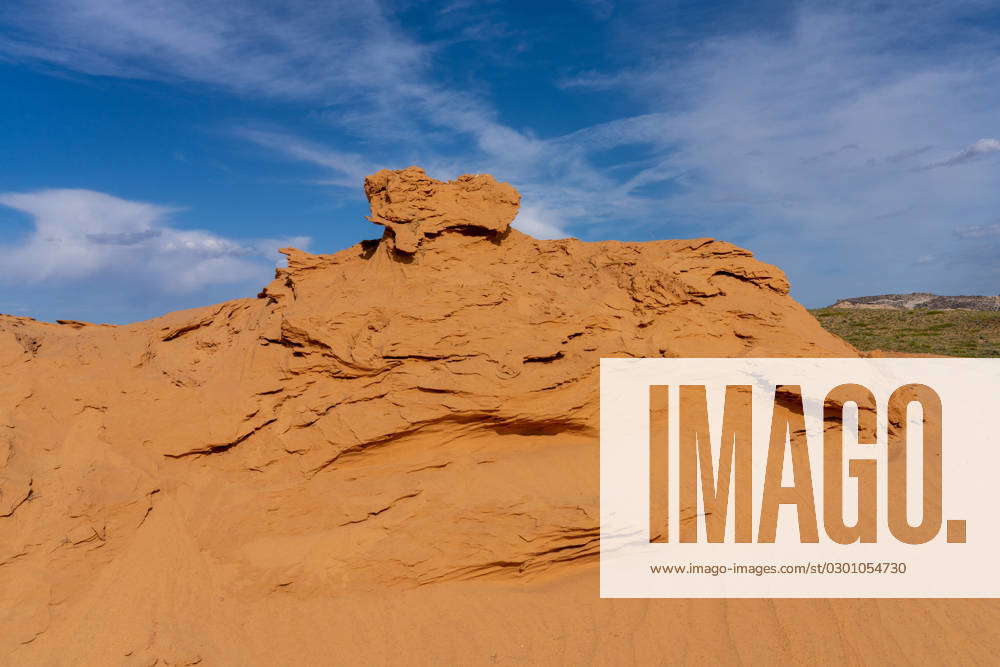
<point x="390" y="455"/>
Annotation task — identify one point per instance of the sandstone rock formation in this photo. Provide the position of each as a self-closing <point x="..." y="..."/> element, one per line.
<point x="390" y="455"/>
<point x="414" y="207"/>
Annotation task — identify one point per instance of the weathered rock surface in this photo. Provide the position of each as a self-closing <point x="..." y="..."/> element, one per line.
<point x="389" y="456"/>
<point x="414" y="207"/>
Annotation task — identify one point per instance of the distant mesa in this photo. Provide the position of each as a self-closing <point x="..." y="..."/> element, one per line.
<point x="922" y="301"/>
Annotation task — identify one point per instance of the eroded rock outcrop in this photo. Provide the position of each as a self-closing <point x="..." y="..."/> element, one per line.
<point x="414" y="207"/>
<point x="396" y="442"/>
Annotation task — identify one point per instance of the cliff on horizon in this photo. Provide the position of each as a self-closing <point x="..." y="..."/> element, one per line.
<point x="921" y="301"/>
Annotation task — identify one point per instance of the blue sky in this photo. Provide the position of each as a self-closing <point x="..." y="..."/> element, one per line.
<point x="155" y="154"/>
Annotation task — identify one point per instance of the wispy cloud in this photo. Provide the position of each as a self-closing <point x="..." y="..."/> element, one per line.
<point x="979" y="231"/>
<point x="601" y="9"/>
<point x="313" y="50"/>
<point x="793" y="143"/>
<point x="803" y="142"/>
<point x="371" y="79"/>
<point x="82" y="235"/>
<point x="980" y="149"/>
<point x="539" y="223"/>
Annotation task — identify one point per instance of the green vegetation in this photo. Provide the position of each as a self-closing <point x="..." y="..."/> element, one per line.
<point x="954" y="333"/>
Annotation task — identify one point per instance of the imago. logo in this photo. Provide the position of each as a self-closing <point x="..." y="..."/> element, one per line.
<point x="799" y="477"/>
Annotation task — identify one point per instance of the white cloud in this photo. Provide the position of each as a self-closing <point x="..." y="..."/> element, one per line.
<point x="978" y="231"/>
<point x="800" y="145"/>
<point x="343" y="54"/>
<point x="977" y="150"/>
<point x="370" y="78"/>
<point x="803" y="144"/>
<point x="539" y="223"/>
<point x="331" y="49"/>
<point x="80" y="235"/>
